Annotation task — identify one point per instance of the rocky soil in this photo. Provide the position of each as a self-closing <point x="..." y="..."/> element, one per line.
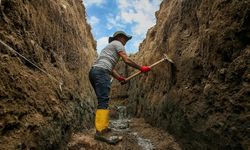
<point x="34" y="112"/>
<point x="203" y="98"/>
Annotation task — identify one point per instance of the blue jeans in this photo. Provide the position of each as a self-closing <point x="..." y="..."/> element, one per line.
<point x="101" y="82"/>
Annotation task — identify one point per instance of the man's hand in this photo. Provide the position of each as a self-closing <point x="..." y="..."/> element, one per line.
<point x="121" y="80"/>
<point x="145" y="69"/>
<point x="118" y="77"/>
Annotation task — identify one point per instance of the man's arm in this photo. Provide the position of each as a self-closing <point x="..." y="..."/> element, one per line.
<point x="118" y="77"/>
<point x="115" y="74"/>
<point x="128" y="61"/>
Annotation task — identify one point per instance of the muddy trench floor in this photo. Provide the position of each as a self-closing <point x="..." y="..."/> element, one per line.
<point x="138" y="136"/>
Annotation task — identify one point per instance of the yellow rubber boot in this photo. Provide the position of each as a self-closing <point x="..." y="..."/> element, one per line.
<point x="101" y="125"/>
<point x="101" y="119"/>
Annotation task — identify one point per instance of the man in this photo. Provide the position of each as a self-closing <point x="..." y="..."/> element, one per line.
<point x="100" y="79"/>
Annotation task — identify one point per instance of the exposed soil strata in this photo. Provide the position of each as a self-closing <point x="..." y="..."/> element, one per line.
<point x="53" y="34"/>
<point x="203" y="99"/>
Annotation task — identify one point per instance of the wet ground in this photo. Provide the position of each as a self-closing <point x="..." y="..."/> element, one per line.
<point x="137" y="135"/>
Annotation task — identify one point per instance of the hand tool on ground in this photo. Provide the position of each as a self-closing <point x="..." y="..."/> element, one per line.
<point x="151" y="66"/>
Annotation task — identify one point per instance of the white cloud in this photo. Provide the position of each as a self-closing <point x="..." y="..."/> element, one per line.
<point x="140" y="14"/>
<point x="93" y="20"/>
<point x="114" y="22"/>
<point x="136" y="16"/>
<point x="101" y="43"/>
<point x="89" y="3"/>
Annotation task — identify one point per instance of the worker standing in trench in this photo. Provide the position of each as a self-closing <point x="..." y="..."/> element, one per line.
<point x="100" y="79"/>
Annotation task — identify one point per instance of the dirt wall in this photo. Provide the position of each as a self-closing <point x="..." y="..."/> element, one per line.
<point x="54" y="35"/>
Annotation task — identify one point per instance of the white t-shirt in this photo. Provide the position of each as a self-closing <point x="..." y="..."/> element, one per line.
<point x="109" y="55"/>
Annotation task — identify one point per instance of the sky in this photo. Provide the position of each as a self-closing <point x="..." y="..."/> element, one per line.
<point x="134" y="17"/>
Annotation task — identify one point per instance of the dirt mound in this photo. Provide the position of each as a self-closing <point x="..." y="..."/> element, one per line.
<point x="34" y="112"/>
<point x="203" y="99"/>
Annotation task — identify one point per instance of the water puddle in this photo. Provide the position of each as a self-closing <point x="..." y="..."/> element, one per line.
<point x="122" y="125"/>
<point x="144" y="143"/>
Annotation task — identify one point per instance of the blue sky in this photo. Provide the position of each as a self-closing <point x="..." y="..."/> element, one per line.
<point x="134" y="17"/>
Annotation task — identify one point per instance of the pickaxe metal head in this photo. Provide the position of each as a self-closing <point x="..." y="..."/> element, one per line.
<point x="167" y="58"/>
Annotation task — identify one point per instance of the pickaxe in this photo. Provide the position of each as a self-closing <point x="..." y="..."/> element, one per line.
<point x="151" y="66"/>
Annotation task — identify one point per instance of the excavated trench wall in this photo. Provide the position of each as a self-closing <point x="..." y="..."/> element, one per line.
<point x="203" y="99"/>
<point x="54" y="34"/>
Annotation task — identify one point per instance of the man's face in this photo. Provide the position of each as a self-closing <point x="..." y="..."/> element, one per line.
<point x="124" y="40"/>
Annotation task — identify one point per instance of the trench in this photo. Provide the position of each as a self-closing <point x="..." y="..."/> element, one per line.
<point x="203" y="100"/>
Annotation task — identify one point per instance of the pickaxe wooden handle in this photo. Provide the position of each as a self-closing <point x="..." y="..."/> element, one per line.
<point x="151" y="66"/>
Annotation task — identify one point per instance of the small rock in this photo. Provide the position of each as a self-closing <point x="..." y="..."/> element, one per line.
<point x="32" y="42"/>
<point x="222" y="71"/>
<point x="207" y="89"/>
<point x="5" y="57"/>
<point x="64" y="6"/>
<point x="233" y="128"/>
